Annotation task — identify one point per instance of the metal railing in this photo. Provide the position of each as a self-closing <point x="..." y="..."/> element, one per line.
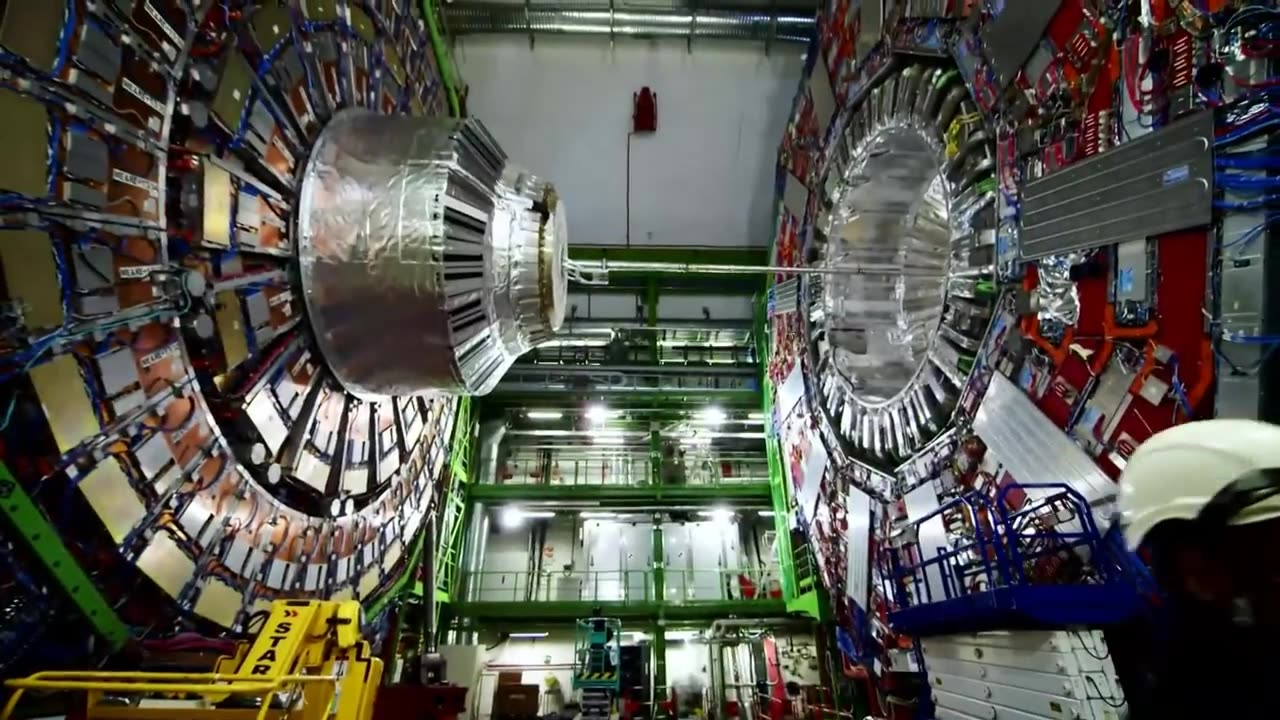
<point x="600" y="468"/>
<point x="625" y="586"/>
<point x="1052" y="539"/>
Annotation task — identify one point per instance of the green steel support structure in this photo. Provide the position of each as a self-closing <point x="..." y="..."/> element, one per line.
<point x="757" y="495"/>
<point x="439" y="45"/>
<point x="30" y="524"/>
<point x="660" y="690"/>
<point x="778" y="490"/>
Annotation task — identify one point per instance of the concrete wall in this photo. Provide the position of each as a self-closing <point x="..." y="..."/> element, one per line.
<point x="705" y="178"/>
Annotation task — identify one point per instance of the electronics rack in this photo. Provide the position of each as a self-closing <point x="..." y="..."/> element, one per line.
<point x="162" y="406"/>
<point x="1136" y="301"/>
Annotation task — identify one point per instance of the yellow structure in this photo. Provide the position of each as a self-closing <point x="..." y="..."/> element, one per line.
<point x="307" y="663"/>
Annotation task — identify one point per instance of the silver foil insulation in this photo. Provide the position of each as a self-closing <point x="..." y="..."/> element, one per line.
<point x="428" y="262"/>
<point x="891" y="352"/>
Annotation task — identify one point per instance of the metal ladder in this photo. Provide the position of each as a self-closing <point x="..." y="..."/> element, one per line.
<point x="597" y="703"/>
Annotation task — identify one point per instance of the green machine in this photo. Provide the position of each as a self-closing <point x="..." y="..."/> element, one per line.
<point x="597" y="648"/>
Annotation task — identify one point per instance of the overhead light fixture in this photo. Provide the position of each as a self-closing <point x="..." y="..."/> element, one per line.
<point x="510" y="517"/>
<point x="755" y="416"/>
<point x="527" y="635"/>
<point x="718" y="514"/>
<point x="544" y="414"/>
<point x="539" y="514"/>
<point x="599" y="413"/>
<point x="713" y="416"/>
<point x="766" y="513"/>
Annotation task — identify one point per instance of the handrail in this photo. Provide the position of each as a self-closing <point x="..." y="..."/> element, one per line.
<point x="631" y="470"/>
<point x="1087" y="535"/>
<point x="999" y="542"/>
<point x="216" y="684"/>
<point x="683" y="586"/>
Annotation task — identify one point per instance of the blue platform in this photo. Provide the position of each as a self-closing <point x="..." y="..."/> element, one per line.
<point x="983" y="581"/>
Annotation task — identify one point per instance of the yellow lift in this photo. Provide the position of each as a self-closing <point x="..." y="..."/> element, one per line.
<point x="308" y="663"/>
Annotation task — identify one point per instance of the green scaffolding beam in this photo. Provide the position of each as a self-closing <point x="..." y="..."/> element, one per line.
<point x="439" y="44"/>
<point x="779" y="493"/>
<point x="459" y="449"/>
<point x="31" y="525"/>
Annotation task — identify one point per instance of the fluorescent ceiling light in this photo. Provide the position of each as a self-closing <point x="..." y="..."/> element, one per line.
<point x="767" y="513"/>
<point x="539" y="514"/>
<point x="600" y="413"/>
<point x="713" y="416"/>
<point x="755" y="416"/>
<point x="717" y="514"/>
<point x="510" y="517"/>
<point x="544" y="414"/>
<point x="529" y="635"/>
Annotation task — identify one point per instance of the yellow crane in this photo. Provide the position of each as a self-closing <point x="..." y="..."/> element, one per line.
<point x="307" y="663"/>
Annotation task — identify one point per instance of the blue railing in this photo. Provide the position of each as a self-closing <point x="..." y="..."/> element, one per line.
<point x="1043" y="564"/>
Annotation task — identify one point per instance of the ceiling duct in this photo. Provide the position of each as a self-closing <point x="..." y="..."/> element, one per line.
<point x="753" y="24"/>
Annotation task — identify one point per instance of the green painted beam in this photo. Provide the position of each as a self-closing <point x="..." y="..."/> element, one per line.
<point x="659" y="560"/>
<point x="531" y="612"/>
<point x="661" y="692"/>
<point x="778" y="486"/>
<point x="41" y="537"/>
<point x="460" y="463"/>
<point x="439" y="44"/>
<point x="622" y="496"/>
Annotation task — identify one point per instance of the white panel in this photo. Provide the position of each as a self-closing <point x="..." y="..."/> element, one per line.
<point x="1013" y="677"/>
<point x="707" y="547"/>
<point x="705" y="178"/>
<point x="932" y="537"/>
<point x="637" y="560"/>
<point x="676" y="545"/>
<point x="790" y="392"/>
<point x="672" y="306"/>
<point x="858" y="546"/>
<point x="1034" y="703"/>
<point x="1035" y="450"/>
<point x="584" y="305"/>
<point x="605" y="555"/>
<point x="814" y="468"/>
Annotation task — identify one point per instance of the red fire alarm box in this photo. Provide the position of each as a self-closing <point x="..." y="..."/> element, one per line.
<point x="644" y="113"/>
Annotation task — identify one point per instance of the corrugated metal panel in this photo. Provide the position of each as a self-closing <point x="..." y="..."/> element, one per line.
<point x="1156" y="184"/>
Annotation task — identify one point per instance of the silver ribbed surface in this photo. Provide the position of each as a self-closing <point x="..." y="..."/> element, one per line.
<point x="889" y="349"/>
<point x="428" y="262"/>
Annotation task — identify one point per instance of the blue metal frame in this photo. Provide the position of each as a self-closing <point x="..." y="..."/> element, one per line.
<point x="1004" y="596"/>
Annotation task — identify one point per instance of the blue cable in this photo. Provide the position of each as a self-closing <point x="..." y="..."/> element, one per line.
<point x="1248" y="161"/>
<point x="1253" y="233"/>
<point x="1253" y="204"/>
<point x="1247" y="183"/>
<point x="64" y="39"/>
<point x="1244" y="131"/>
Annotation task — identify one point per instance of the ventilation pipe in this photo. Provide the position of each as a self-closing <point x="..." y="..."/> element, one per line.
<point x="764" y="25"/>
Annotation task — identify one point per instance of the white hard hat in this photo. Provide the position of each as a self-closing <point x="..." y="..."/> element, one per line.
<point x="1180" y="471"/>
